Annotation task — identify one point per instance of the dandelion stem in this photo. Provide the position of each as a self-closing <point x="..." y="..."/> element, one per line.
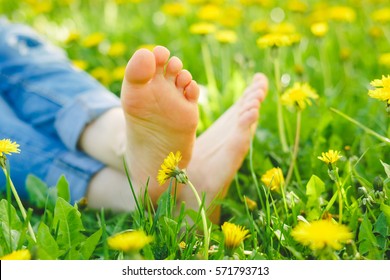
<point x="254" y="174"/>
<point x="204" y="220"/>
<point x="20" y="205"/>
<point x="296" y="147"/>
<point x="339" y="193"/>
<point x="282" y="133"/>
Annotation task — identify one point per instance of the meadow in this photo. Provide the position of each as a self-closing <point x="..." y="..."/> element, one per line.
<point x="316" y="181"/>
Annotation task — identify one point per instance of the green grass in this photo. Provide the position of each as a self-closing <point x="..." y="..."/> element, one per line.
<point x="338" y="66"/>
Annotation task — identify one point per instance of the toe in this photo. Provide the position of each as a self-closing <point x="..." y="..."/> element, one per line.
<point x="161" y="56"/>
<point x="249" y="117"/>
<point x="249" y="105"/>
<point x="183" y="79"/>
<point x="262" y="80"/>
<point x="141" y="67"/>
<point x="192" y="91"/>
<point x="173" y="68"/>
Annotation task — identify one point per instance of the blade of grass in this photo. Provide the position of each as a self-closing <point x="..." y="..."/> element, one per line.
<point x="365" y="128"/>
<point x="132" y="190"/>
<point x="104" y="235"/>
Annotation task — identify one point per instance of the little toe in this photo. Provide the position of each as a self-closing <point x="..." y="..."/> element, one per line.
<point x="183" y="79"/>
<point x="141" y="67"/>
<point x="173" y="68"/>
<point x="161" y="55"/>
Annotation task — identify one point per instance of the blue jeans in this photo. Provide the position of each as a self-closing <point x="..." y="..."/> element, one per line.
<point x="45" y="103"/>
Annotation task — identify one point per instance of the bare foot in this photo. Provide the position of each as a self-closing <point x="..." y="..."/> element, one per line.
<point x="220" y="151"/>
<point x="159" y="100"/>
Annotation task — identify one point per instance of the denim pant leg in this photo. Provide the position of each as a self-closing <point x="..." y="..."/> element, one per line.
<point x="43" y="156"/>
<point x="42" y="87"/>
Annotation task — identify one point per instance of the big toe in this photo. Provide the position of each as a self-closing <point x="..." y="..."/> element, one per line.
<point x="141" y="67"/>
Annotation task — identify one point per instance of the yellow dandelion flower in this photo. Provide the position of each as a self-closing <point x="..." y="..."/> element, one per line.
<point x="265" y="3"/>
<point x="297" y="6"/>
<point x="118" y="73"/>
<point x="259" y="26"/>
<point x="23" y="254"/>
<point x="117" y="49"/>
<point x="384" y="59"/>
<point x="382" y="89"/>
<point x="42" y="7"/>
<point x="381" y="15"/>
<point x="252" y="205"/>
<point x="273" y="179"/>
<point x="231" y="16"/>
<point x="149" y="47"/>
<point x="300" y="95"/>
<point x="196" y="2"/>
<point x="182" y="245"/>
<point x="93" y="40"/>
<point x="318" y="15"/>
<point x="278" y="40"/>
<point x="170" y="169"/>
<point x="66" y="2"/>
<point x="8" y="147"/>
<point x="81" y="64"/>
<point x="209" y="12"/>
<point x="298" y="69"/>
<point x="322" y="233"/>
<point x="202" y="28"/>
<point x="375" y="32"/>
<point x="283" y="28"/>
<point x="129" y="241"/>
<point x="345" y="53"/>
<point x="102" y="75"/>
<point x="342" y="13"/>
<point x="226" y="36"/>
<point x="330" y="156"/>
<point x="319" y="29"/>
<point x="234" y="235"/>
<point x="174" y="9"/>
<point x="72" y="37"/>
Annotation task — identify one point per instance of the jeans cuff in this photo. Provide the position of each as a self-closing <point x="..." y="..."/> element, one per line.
<point x="72" y="119"/>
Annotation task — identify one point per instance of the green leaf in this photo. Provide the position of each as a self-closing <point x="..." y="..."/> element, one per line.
<point x="314" y="188"/>
<point x="47" y="246"/>
<point x="367" y="241"/>
<point x="37" y="191"/>
<point x="10" y="227"/>
<point x="89" y="245"/>
<point x="63" y="189"/>
<point x="69" y="224"/>
<point x="387" y="168"/>
<point x="386" y="211"/>
<point x="381" y="227"/>
<point x="333" y="174"/>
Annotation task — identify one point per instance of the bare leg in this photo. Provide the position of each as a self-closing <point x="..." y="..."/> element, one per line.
<point x="105" y="138"/>
<point x="110" y="189"/>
